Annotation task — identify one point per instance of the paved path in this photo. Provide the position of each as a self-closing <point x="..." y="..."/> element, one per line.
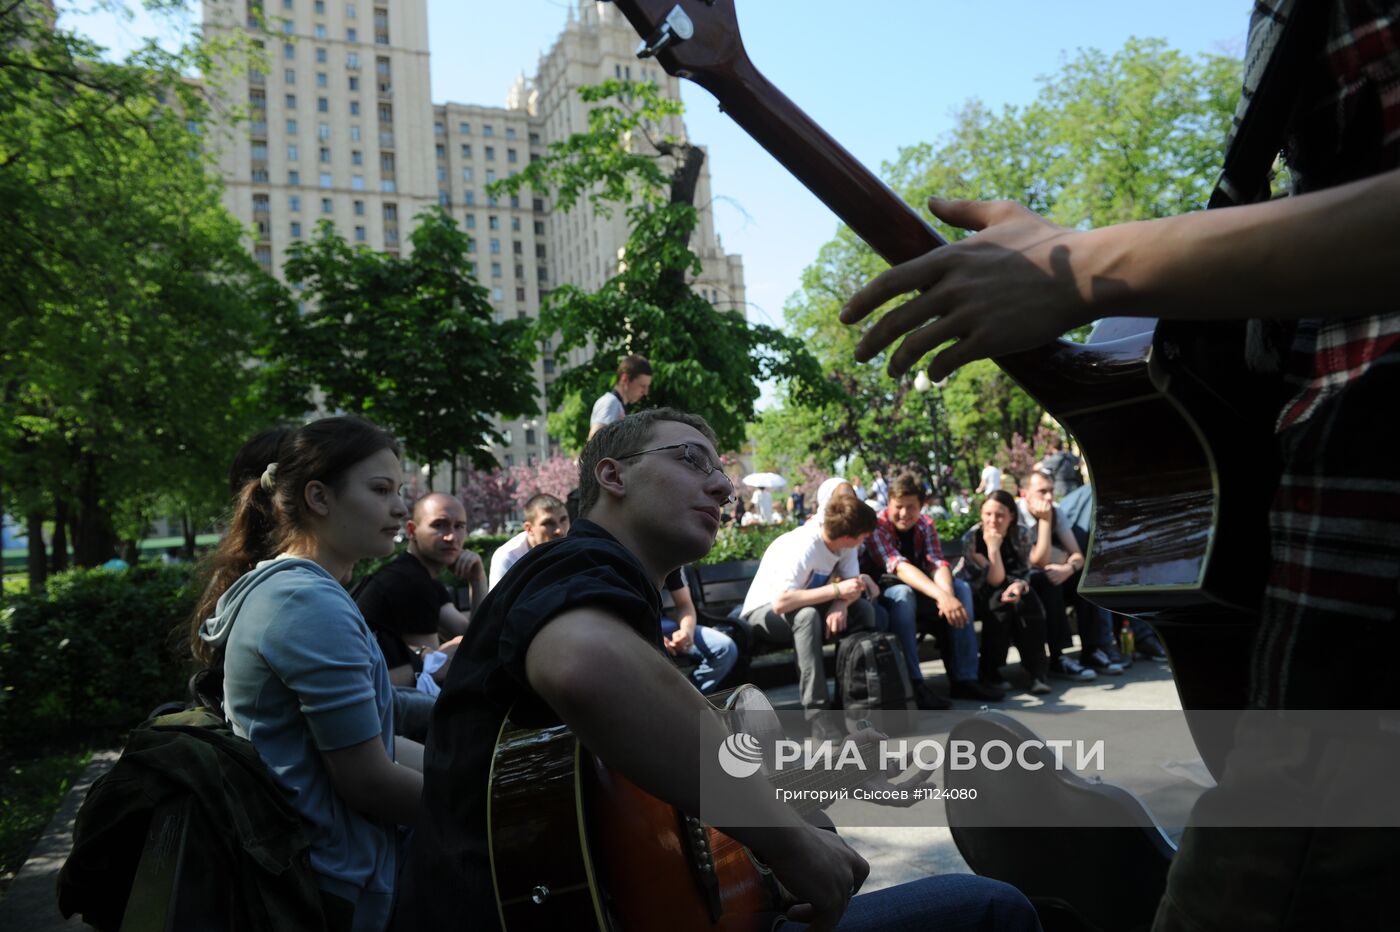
<point x="896" y="855"/>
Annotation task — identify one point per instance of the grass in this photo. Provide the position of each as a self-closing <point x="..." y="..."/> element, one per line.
<point x="31" y="790"/>
<point x="16" y="583"/>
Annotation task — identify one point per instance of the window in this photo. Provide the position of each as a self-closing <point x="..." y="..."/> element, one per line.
<point x="294" y="203"/>
<point x="496" y="273"/>
<point x="381" y="67"/>
<point x="510" y="132"/>
<point x="510" y="155"/>
<point x="289" y="75"/>
<point x="488" y="130"/>
<point x="386" y="162"/>
<point x="539" y="250"/>
<point x="388" y="186"/>
<point x="518" y="248"/>
<point x="515" y="224"/>
<point x="467" y="174"/>
<point x="471" y="267"/>
<point x="357" y="157"/>
<point x="320" y="31"/>
<point x="296" y="229"/>
<point x="493" y="222"/>
<point x="495" y="247"/>
<point x="530" y="436"/>
<point x="469" y="198"/>
<point x="520" y="294"/>
<point x="325" y="179"/>
<point x="291" y="127"/>
<point x="322" y="80"/>
<point x="444" y="198"/>
<point x="466" y="130"/>
<point x="320" y="56"/>
<point x="490" y="153"/>
<point x="291" y="101"/>
<point x="515" y="200"/>
<point x="439" y="129"/>
<point x="391" y="211"/>
<point x="498" y="293"/>
<point x="471" y="245"/>
<point x="325" y="205"/>
<point x="490" y="176"/>
<point x="359" y="208"/>
<point x="260" y="175"/>
<point x="291" y="152"/>
<point x="539" y="228"/>
<point x="386" y="113"/>
<point x="441" y="174"/>
<point x="359" y="234"/>
<point x="260" y="151"/>
<point x="357" y="182"/>
<point x="534" y="139"/>
<point x="323" y="105"/>
<point x="323" y="131"/>
<point x="519" y="270"/>
<point x="287" y="26"/>
<point x="466" y="151"/>
<point x="351" y="35"/>
<point x="355" y="132"/>
<point x="354" y="108"/>
<point x="324" y="154"/>
<point x="471" y="221"/>
<point x="354" y="83"/>
<point x="352" y="61"/>
<point x="548" y="367"/>
<point x="293" y="177"/>
<point x="349" y="11"/>
<point x="319" y="6"/>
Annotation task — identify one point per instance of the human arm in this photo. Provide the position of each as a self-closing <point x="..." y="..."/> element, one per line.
<point x="1022" y="281"/>
<point x="684" y="637"/>
<point x="372" y="784"/>
<point x="468" y="566"/>
<point x="790" y="600"/>
<point x="642" y="719"/>
<point x="1044" y="515"/>
<point x="1057" y="573"/>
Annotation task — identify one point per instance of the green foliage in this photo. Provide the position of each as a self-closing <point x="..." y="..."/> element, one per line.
<point x="953" y="527"/>
<point x="95" y="654"/>
<point x="733" y="543"/>
<point x="131" y="303"/>
<point x="704" y="360"/>
<point x="411" y="342"/>
<point x="1109" y="138"/>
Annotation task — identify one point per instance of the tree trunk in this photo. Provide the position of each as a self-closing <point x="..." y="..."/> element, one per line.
<point x="95" y="541"/>
<point x="38" y="563"/>
<point x="58" y="559"/>
<point x="189" y="536"/>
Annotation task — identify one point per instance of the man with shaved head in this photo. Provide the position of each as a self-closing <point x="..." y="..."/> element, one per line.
<point x="409" y="610"/>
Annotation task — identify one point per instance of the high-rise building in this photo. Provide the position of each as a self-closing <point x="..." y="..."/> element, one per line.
<point x="341" y="125"/>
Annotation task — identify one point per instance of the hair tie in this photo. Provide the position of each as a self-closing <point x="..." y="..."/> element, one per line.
<point x="269" y="477"/>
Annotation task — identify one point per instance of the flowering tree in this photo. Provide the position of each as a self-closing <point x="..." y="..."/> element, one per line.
<point x="1018" y="457"/>
<point x="556" y="476"/>
<point x="488" y="496"/>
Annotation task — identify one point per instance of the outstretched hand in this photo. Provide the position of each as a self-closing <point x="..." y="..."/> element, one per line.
<point x="1011" y="287"/>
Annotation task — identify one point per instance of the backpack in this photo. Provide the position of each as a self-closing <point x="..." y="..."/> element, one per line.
<point x="871" y="674"/>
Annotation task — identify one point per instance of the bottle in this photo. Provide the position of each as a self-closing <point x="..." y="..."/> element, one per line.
<point x="1128" y="642"/>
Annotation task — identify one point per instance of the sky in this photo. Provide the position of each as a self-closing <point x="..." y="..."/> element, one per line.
<point x="877" y="76"/>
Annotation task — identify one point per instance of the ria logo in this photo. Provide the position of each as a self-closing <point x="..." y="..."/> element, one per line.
<point x="740" y="755"/>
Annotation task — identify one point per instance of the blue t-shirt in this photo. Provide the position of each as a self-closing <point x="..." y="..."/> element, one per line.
<point x="302" y="675"/>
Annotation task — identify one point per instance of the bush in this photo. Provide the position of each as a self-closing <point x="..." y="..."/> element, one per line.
<point x="954" y="527"/>
<point x="748" y="543"/>
<point x="93" y="655"/>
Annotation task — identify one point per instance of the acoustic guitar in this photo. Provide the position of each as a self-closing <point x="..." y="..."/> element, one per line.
<point x="1176" y="434"/>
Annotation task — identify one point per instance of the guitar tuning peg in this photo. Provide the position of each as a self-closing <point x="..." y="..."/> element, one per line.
<point x="677" y="27"/>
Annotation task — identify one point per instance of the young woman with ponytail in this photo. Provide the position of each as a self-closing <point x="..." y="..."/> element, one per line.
<point x="304" y="680"/>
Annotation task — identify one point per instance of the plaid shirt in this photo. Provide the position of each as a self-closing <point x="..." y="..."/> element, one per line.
<point x="1346" y="127"/>
<point x="884" y="545"/>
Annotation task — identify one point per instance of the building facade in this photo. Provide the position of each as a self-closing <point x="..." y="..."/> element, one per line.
<point x="340" y="125"/>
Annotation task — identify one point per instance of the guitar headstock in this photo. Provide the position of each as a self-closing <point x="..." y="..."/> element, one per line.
<point x="695" y="39"/>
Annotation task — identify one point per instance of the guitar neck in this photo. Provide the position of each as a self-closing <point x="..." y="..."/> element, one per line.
<point x="864" y="202"/>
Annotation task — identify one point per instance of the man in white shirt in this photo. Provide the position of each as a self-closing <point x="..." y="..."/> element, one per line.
<point x="991" y="480"/>
<point x="633" y="383"/>
<point x="1054" y="582"/>
<point x="794" y="600"/>
<point x="545" y="520"/>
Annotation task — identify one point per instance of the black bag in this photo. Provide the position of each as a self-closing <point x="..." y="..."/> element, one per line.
<point x="871" y="674"/>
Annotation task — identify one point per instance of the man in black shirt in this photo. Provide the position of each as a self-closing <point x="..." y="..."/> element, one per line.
<point x="573" y="635"/>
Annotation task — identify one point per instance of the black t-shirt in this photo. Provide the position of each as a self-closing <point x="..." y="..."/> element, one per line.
<point x="402" y="598"/>
<point x="446" y="883"/>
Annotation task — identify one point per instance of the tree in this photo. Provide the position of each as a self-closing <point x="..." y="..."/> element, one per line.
<point x="1109" y="138"/>
<point x="131" y="304"/>
<point x="704" y="360"/>
<point x="411" y="342"/>
<point x="557" y="476"/>
<point x="488" y="495"/>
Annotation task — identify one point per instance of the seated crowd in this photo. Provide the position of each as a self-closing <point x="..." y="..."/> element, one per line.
<point x="337" y="694"/>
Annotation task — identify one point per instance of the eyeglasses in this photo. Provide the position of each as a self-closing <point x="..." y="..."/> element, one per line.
<point x="696" y="458"/>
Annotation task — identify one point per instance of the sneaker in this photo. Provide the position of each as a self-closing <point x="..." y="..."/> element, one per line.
<point x="929" y="701"/>
<point x="978" y="692"/>
<point x="1099" y="661"/>
<point x="1039" y="687"/>
<point x="1150" y="649"/>
<point x="1067" y="668"/>
<point x="1114" y="656"/>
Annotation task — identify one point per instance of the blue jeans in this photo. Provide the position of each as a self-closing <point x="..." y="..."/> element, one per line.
<point x="714" y="650"/>
<point x="902" y="604"/>
<point x="948" y="903"/>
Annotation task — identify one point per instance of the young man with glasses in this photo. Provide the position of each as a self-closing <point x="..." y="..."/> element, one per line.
<point x="572" y="635"/>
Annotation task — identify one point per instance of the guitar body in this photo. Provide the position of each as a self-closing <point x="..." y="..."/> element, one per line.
<point x="576" y="846"/>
